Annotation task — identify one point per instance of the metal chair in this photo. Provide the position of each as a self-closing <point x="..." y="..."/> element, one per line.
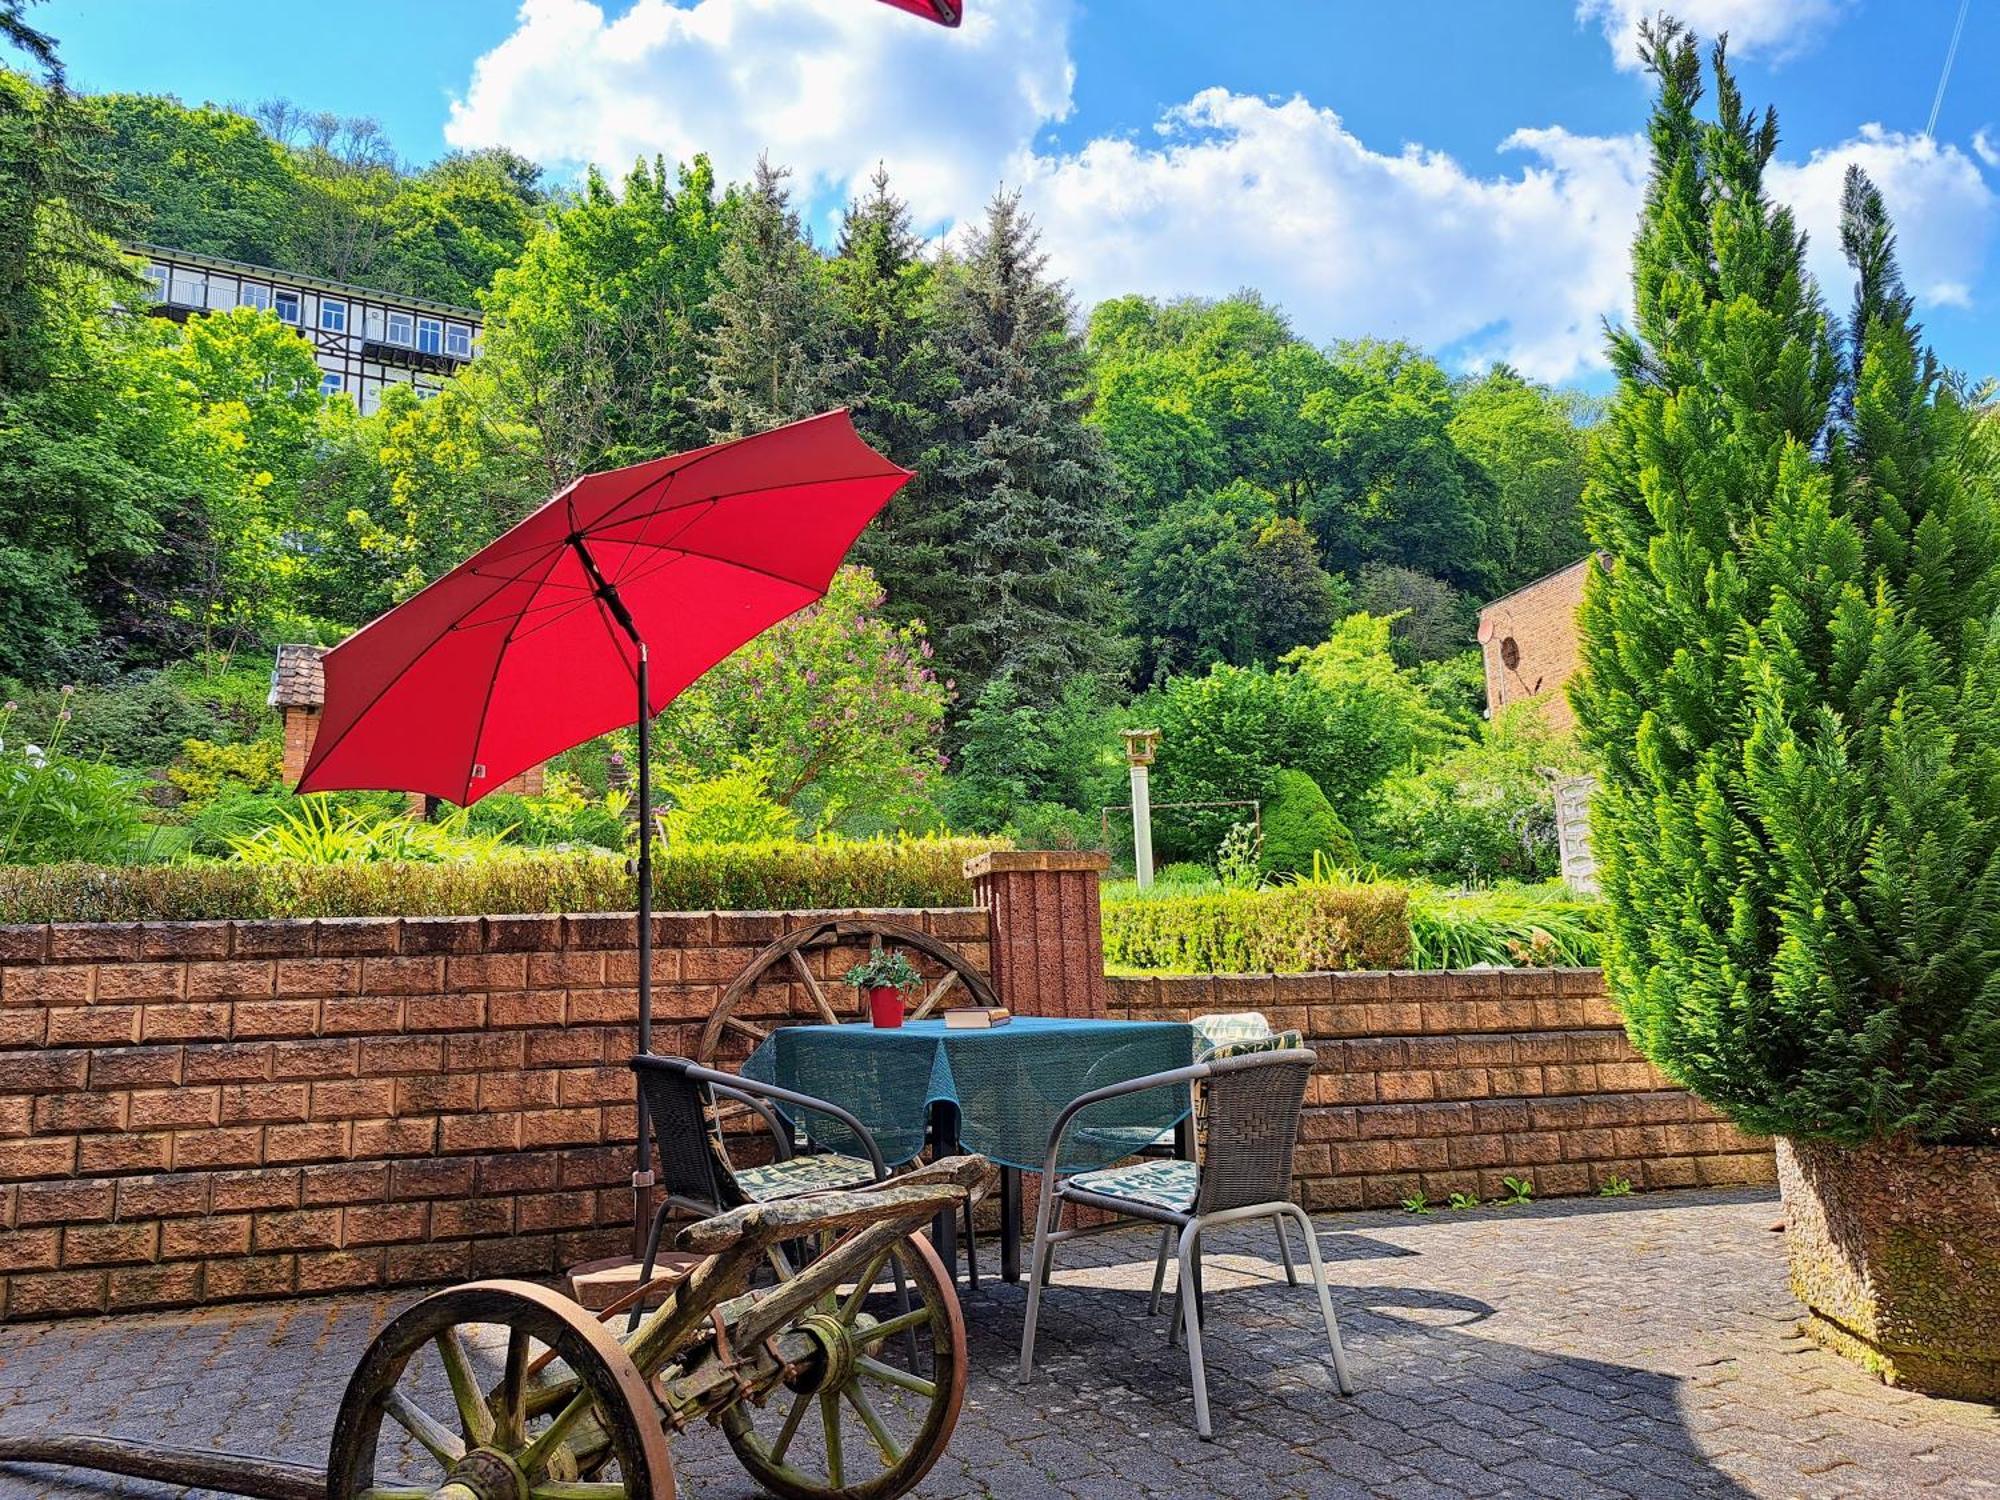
<point x="1253" y="1103"/>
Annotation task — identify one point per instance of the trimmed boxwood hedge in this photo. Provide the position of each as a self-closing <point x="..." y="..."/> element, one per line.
<point x="741" y="877"/>
<point x="1285" y="929"/>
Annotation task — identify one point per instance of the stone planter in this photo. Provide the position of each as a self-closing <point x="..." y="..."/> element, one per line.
<point x="1895" y="1251"/>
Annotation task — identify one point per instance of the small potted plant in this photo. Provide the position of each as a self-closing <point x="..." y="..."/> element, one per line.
<point x="886" y="979"/>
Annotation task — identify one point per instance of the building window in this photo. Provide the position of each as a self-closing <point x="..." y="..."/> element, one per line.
<point x="430" y="336"/>
<point x="286" y="305"/>
<point x="400" y="328"/>
<point x="458" y="341"/>
<point x="331" y="384"/>
<point x="189" y="289"/>
<point x="332" y="315"/>
<point x="253" y="295"/>
<point x="157" y="277"/>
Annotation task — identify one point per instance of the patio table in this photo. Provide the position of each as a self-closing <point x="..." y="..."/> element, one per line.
<point x="996" y="1091"/>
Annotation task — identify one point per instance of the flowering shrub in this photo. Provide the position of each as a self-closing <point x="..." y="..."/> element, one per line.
<point x="838" y="702"/>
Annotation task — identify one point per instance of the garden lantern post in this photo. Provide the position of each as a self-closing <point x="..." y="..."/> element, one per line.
<point x="1140" y="745"/>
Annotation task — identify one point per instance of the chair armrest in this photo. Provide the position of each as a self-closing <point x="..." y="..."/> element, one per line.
<point x="772" y="1092"/>
<point x="781" y="1134"/>
<point x="1193" y="1073"/>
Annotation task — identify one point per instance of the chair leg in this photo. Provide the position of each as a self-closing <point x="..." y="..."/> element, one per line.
<point x="1285" y="1250"/>
<point x="1185" y="1285"/>
<point x="1341" y="1377"/>
<point x="650" y="1259"/>
<point x="1038" y="1273"/>
<point x="1191" y="1320"/>
<point x="1160" y="1268"/>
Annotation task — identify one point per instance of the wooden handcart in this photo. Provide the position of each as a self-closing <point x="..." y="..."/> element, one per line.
<point x="844" y="1380"/>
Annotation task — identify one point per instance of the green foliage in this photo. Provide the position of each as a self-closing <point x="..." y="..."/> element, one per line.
<point x="788" y="876"/>
<point x="1024" y="486"/>
<point x="774" y="353"/>
<point x="1239" y="858"/>
<point x="1417" y="1203"/>
<point x="317" y="832"/>
<point x="1050" y="825"/>
<point x="838" y="705"/>
<point x="55" y="806"/>
<point x="1482" y="812"/>
<point x="1615" y="1187"/>
<point x="1285" y="930"/>
<point x="206" y="770"/>
<point x="1431" y="619"/>
<point x="885" y="970"/>
<point x="1301" y="828"/>
<point x="1014" y="755"/>
<point x="565" y="814"/>
<point x="734" y="807"/>
<point x="1464" y="1201"/>
<point x="1791" y="665"/>
<point x="1519" y="1190"/>
<point x="1509" y="926"/>
<point x="1534" y="444"/>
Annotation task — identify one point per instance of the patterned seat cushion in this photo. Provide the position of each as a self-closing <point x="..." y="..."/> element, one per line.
<point x="1162" y="1184"/>
<point x="820" y="1172"/>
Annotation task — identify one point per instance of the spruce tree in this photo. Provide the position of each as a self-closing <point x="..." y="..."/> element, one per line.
<point x="774" y="352"/>
<point x="1029" y="491"/>
<point x="897" y="386"/>
<point x="1793" y="670"/>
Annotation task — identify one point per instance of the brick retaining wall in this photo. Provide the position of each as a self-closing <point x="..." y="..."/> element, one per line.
<point x="202" y="1111"/>
<point x="1446" y="1082"/>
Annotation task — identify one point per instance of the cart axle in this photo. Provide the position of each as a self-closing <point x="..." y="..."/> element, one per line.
<point x="232" y="1473"/>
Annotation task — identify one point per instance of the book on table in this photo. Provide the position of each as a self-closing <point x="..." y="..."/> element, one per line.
<point x="977" y="1017"/>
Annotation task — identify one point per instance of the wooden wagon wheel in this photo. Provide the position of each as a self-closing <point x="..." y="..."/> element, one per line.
<point x="869" y="1419"/>
<point x="959" y="981"/>
<point x="582" y="1429"/>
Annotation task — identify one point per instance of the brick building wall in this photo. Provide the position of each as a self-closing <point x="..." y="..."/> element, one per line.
<point x="1447" y="1082"/>
<point x="1529" y="643"/>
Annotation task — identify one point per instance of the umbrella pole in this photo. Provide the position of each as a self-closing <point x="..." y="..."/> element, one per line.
<point x="642" y="1176"/>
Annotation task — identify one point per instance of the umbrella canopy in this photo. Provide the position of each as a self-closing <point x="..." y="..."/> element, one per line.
<point x="944" y="12"/>
<point x="530" y="645"/>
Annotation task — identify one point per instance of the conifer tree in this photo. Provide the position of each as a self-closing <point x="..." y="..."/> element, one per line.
<point x="1029" y="492"/>
<point x="1793" y="671"/>
<point x="773" y="354"/>
<point x="897" y="386"/>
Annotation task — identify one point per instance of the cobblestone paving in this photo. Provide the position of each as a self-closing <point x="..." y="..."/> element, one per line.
<point x="1637" y="1347"/>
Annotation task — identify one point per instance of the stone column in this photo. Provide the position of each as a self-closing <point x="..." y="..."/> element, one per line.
<point x="1047" y="949"/>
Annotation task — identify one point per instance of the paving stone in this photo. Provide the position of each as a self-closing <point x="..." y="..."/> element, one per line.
<point x="1642" y="1350"/>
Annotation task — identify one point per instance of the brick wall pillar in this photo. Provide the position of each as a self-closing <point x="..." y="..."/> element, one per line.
<point x="1046" y="943"/>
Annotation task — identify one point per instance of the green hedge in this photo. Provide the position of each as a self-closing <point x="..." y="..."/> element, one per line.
<point x="745" y="877"/>
<point x="1280" y="930"/>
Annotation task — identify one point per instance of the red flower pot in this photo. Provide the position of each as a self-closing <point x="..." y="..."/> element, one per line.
<point x="885" y="1005"/>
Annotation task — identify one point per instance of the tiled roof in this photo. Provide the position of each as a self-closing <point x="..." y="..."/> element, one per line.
<point x="297" y="679"/>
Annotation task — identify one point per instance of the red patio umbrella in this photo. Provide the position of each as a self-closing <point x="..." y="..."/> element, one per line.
<point x="944" y="12"/>
<point x="593" y="613"/>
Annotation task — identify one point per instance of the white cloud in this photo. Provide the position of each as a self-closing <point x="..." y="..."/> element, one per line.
<point x="1776" y="29"/>
<point x="827" y="86"/>
<point x="1984" y="147"/>
<point x="1282" y="196"/>
<point x="1228" y="190"/>
<point x="1944" y="211"/>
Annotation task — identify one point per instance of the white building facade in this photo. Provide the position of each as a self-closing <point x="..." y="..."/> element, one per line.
<point x="365" y="341"/>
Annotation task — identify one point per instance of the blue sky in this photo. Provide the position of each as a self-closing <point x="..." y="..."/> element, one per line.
<point x="1463" y="176"/>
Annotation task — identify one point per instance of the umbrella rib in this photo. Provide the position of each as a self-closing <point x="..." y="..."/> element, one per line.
<point x="727" y="562"/>
<point x="499" y="661"/>
<point x="597" y="527"/>
<point x="640" y="540"/>
<point x="323" y="747"/>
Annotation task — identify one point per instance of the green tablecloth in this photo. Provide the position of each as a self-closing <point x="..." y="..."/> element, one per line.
<point x="1009" y="1084"/>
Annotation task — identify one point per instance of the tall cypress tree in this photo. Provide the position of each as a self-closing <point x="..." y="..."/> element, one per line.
<point x="1030" y="492"/>
<point x="1793" y="672"/>
<point x="774" y="352"/>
